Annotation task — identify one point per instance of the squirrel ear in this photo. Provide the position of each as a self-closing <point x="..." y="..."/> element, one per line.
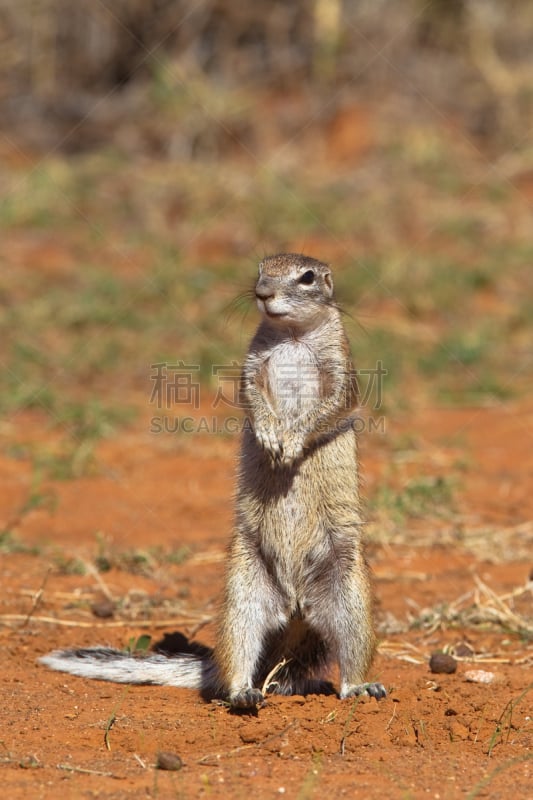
<point x="328" y="283"/>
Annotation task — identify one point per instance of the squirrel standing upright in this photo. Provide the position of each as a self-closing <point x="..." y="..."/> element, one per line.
<point x="297" y="583"/>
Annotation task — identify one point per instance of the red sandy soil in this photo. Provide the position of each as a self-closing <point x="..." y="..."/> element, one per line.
<point x="436" y="735"/>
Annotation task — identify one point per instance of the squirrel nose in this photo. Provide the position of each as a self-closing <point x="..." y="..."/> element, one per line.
<point x="264" y="291"/>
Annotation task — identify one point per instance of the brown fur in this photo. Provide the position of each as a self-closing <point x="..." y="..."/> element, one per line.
<point x="297" y="581"/>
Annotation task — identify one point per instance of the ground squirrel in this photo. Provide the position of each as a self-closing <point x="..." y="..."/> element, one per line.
<point x="297" y="583"/>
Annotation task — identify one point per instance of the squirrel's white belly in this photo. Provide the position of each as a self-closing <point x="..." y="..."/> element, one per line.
<point x="294" y="380"/>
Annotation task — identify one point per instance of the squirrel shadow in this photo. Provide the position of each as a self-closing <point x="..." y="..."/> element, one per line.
<point x="175" y="644"/>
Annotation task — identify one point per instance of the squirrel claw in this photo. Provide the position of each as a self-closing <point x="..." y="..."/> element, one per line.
<point x="246" y="698"/>
<point x="376" y="690"/>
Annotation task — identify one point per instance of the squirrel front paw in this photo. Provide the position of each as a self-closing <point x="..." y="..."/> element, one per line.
<point x="292" y="450"/>
<point x="283" y="447"/>
<point x="268" y="436"/>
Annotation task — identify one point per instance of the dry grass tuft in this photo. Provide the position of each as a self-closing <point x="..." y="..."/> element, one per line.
<point x="479" y="608"/>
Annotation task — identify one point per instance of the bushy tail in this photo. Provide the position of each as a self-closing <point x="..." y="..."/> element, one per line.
<point x="103" y="663"/>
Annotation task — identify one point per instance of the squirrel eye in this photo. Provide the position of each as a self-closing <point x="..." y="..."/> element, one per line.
<point x="307" y="278"/>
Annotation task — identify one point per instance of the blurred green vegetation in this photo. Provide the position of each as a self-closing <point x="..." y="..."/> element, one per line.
<point x="102" y="277"/>
<point x="104" y="286"/>
<point x="138" y="245"/>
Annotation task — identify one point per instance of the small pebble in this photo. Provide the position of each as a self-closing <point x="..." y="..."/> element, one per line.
<point x="103" y="609"/>
<point x="169" y="761"/>
<point x="481" y="676"/>
<point x="441" y="662"/>
<point x="463" y="650"/>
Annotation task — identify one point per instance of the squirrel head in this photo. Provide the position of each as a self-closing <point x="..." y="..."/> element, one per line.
<point x="294" y="291"/>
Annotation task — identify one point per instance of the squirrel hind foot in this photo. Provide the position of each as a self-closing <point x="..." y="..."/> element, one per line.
<point x="246" y="699"/>
<point x="376" y="690"/>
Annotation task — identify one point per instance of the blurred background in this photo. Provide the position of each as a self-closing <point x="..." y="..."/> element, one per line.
<point x="152" y="151"/>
